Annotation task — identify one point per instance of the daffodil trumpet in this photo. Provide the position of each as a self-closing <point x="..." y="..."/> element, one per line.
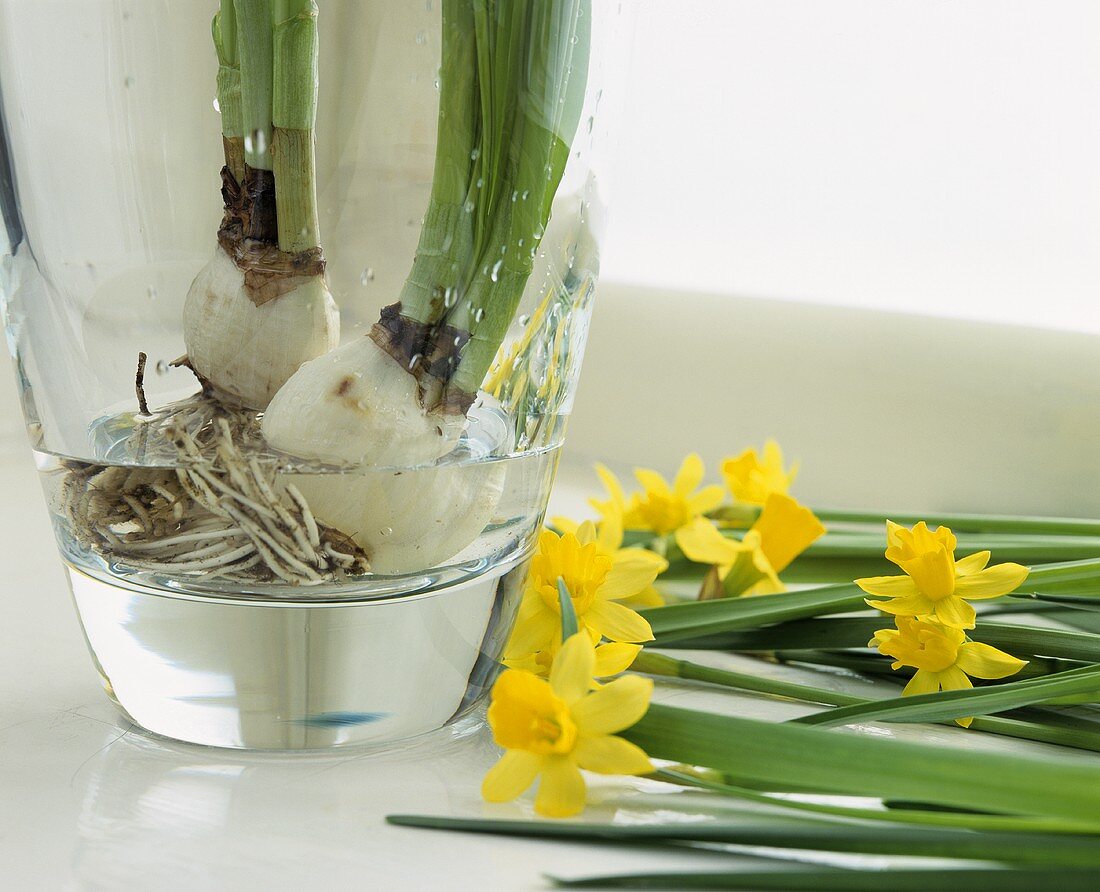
<point x="261" y="307"/>
<point x="512" y="82"/>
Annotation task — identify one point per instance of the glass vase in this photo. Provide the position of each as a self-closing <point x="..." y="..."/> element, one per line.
<point x="297" y="312"/>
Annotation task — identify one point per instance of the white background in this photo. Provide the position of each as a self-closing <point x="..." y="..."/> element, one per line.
<point x="915" y="155"/>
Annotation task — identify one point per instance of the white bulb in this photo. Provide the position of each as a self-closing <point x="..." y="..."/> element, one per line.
<point x="358" y="406"/>
<point x="248" y="352"/>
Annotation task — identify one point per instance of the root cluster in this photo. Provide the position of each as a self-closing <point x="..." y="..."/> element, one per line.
<point x="219" y="513"/>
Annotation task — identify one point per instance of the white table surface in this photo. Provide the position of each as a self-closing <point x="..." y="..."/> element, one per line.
<point x="87" y="801"/>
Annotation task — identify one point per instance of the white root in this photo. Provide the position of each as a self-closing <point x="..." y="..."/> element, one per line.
<point x="220" y="515"/>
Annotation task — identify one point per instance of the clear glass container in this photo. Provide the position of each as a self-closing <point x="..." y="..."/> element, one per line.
<point x="333" y="555"/>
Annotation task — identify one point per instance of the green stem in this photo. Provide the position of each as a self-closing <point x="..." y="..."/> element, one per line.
<point x="543" y="118"/>
<point x="854" y="632"/>
<point x="446" y="239"/>
<point x="820" y="761"/>
<point x="254" y="40"/>
<point x="700" y="618"/>
<point x="804" y="835"/>
<point x="668" y="667"/>
<point x="742" y="514"/>
<point x="948" y="705"/>
<point x="224" y="30"/>
<point x="831" y="879"/>
<point x="661" y="665"/>
<point x="972" y="523"/>
<point x="294" y="114"/>
<point x="960" y="821"/>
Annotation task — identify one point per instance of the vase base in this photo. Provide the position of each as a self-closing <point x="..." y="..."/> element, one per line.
<point x="298" y="675"/>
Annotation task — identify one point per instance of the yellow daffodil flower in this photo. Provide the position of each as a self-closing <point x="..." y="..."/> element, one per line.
<point x="935" y="583"/>
<point x="751" y="478"/>
<point x="552" y="729"/>
<point x="942" y="656"/>
<point x="752" y="566"/>
<point x="597" y="576"/>
<point x="612" y="658"/>
<point x="609" y="538"/>
<point x="661" y="508"/>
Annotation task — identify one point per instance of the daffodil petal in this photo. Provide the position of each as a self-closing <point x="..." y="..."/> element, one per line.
<point x="702" y="543"/>
<point x="639" y="558"/>
<point x="983" y="661"/>
<point x="611" y="484"/>
<point x="972" y="564"/>
<point x="954" y="679"/>
<point x="953" y="611"/>
<point x="648" y="597"/>
<point x="627" y="578"/>
<point x="617" y="705"/>
<point x="992" y="582"/>
<point x="565" y="524"/>
<point x="652" y="481"/>
<point x="611" y="755"/>
<point x="786" y="529"/>
<point x="933" y="572"/>
<point x="614" y="657"/>
<point x="923" y="681"/>
<point x="888" y="586"/>
<point x="561" y="789"/>
<point x="772" y="456"/>
<point x="610" y="537"/>
<point x="534" y="632"/>
<point x="707" y="499"/>
<point x="572" y="670"/>
<point x="912" y="605"/>
<point x="514" y="773"/>
<point x="689" y="476"/>
<point x="586" y="532"/>
<point x="617" y="622"/>
<point x="524" y="662"/>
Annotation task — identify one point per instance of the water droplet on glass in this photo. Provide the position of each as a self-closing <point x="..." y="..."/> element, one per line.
<point x="414" y="361"/>
<point x="475" y="154"/>
<point x="479" y="313"/>
<point x="480" y="182"/>
<point x="435" y="83"/>
<point x="152" y="292"/>
<point x="255" y="142"/>
<point x="495" y="274"/>
<point x="523" y="320"/>
<point x="162" y="368"/>
<point x="515" y="195"/>
<point x="468" y="206"/>
<point x="590" y="123"/>
<point x="519" y="243"/>
<point x="525" y="194"/>
<point x="385" y="531"/>
<point x="450" y="297"/>
<point x="217" y="105"/>
<point x="421" y="38"/>
<point x="129" y="82"/>
<point x="366" y="276"/>
<point x="458" y="341"/>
